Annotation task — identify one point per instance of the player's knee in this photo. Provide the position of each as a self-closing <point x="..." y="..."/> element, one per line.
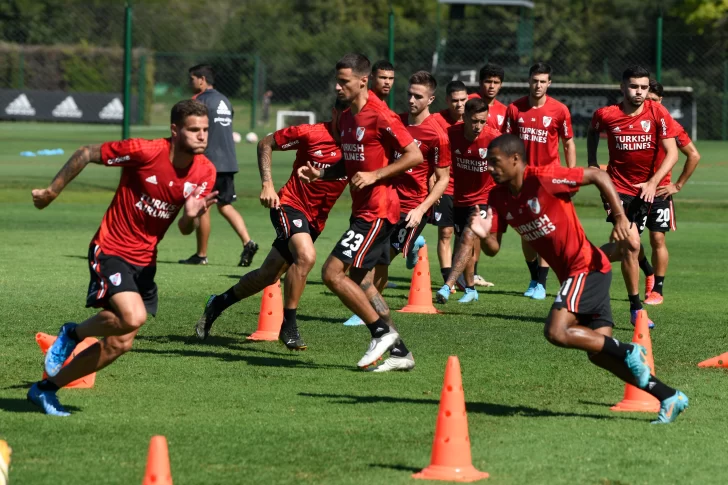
<point x="329" y="275"/>
<point x="555" y="335"/>
<point x="117" y="346"/>
<point x="657" y="240"/>
<point x="445" y="234"/>
<point x="133" y="318"/>
<point x="306" y="259"/>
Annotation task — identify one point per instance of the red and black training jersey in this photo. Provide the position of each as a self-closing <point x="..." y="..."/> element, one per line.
<point x="315" y="144"/>
<point x="444" y="119"/>
<point x="150" y="194"/>
<point x="472" y="179"/>
<point x="496" y="113"/>
<point x="683" y="140"/>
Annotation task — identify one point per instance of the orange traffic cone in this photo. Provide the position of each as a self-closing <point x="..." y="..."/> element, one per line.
<point x="45" y="341"/>
<point x="270" y="318"/>
<point x="719" y="361"/>
<point x="451" y="459"/>
<point x="636" y="399"/>
<point x="5" y="452"/>
<point x="158" y="471"/>
<point x="420" y="295"/>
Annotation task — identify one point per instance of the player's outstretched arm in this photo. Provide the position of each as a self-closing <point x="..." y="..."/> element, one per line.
<point x="442" y="178"/>
<point x="78" y="161"/>
<point x="268" y="196"/>
<point x="195" y="206"/>
<point x="648" y="189"/>
<point x="569" y="152"/>
<point x="609" y="193"/>
<point x="691" y="163"/>
<point x="411" y="157"/>
<point x="592" y="143"/>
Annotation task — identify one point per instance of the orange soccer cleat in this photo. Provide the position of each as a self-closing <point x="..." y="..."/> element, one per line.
<point x="654" y="298"/>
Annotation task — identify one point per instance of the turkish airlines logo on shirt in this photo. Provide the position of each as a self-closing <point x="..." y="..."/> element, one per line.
<point x="360" y="133"/>
<point x="645" y="125"/>
<point x="534" y="205"/>
<point x="546" y="121"/>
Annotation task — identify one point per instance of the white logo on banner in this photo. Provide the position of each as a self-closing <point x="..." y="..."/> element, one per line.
<point x="67" y="109"/>
<point x="112" y="111"/>
<point x="20" y="106"/>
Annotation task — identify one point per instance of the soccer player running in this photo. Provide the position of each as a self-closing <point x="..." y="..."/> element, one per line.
<point x="536" y="202"/>
<point x="661" y="217"/>
<point x="469" y="148"/>
<point x="636" y="128"/>
<point x="369" y="132"/>
<point x="221" y="152"/>
<point x="540" y="121"/>
<point x="382" y="79"/>
<point x="456" y="95"/>
<point x="159" y="179"/>
<point x="298" y="212"/>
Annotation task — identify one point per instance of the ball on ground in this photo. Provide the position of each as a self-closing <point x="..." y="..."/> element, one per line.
<point x="251" y="137"/>
<point x="236" y="137"/>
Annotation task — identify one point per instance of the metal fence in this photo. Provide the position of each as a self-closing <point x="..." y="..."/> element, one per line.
<point x="284" y="59"/>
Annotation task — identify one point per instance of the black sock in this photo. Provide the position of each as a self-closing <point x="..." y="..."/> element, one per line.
<point x="72" y="333"/>
<point x="46" y="385"/>
<point x="378" y="328"/>
<point x="646" y="267"/>
<point x="289" y="318"/>
<point x="221" y="302"/>
<point x="634" y="302"/>
<point x="533" y="268"/>
<point x="470" y="288"/>
<point x="445" y="272"/>
<point x="475" y="271"/>
<point x="659" y="283"/>
<point x="615" y="348"/>
<point x="399" y="350"/>
<point x="543" y="273"/>
<point x="657" y="388"/>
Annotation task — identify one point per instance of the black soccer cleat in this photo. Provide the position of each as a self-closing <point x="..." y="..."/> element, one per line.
<point x="249" y="250"/>
<point x="204" y="323"/>
<point x="292" y="339"/>
<point x="194" y="259"/>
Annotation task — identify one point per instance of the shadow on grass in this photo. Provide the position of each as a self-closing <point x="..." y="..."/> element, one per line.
<point x="491" y="409"/>
<point x="399" y="468"/>
<point x="315" y="318"/>
<point x="517" y="318"/>
<point x="22" y="405"/>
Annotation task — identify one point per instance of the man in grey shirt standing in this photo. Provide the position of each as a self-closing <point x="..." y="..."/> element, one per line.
<point x="221" y="151"/>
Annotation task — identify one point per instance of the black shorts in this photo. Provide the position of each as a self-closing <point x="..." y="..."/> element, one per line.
<point x="442" y="212"/>
<point x="586" y="295"/>
<point x="635" y="208"/>
<point x="662" y="215"/>
<point x="365" y="244"/>
<point x="403" y="238"/>
<point x="288" y="221"/>
<point x="225" y="186"/>
<point x="462" y="217"/>
<point x="111" y="275"/>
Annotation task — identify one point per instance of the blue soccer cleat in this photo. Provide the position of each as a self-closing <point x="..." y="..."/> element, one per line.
<point x="412" y="257"/>
<point x="633" y="319"/>
<point x="636" y="360"/>
<point x="531" y="288"/>
<point x="60" y="350"/>
<point x="353" y="321"/>
<point x="539" y="293"/>
<point x="442" y="294"/>
<point x="470" y="295"/>
<point x="671" y="407"/>
<point x="46" y="400"/>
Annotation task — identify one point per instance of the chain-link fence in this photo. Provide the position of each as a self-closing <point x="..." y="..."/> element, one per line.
<point x="273" y="56"/>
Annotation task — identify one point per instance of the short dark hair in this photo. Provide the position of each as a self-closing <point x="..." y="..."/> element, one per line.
<point x="656" y="87"/>
<point x="476" y="105"/>
<point x="509" y="144"/>
<point x="455" y="86"/>
<point x="204" y="70"/>
<point x="424" y="78"/>
<point x="358" y="63"/>
<point x="185" y="108"/>
<point x="492" y="70"/>
<point x="382" y="65"/>
<point x="635" y="71"/>
<point x="540" y="68"/>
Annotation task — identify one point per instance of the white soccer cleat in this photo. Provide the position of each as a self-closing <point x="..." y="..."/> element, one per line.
<point x="396" y="363"/>
<point x="377" y="347"/>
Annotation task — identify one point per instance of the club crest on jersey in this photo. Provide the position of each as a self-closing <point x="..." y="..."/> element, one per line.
<point x="115" y="279"/>
<point x="188" y="189"/>
<point x="546" y="121"/>
<point x="360" y="133"/>
<point x="500" y="120"/>
<point x="483" y="152"/>
<point x="438" y="216"/>
<point x="297" y="223"/>
<point x="534" y="205"/>
<point x="645" y="125"/>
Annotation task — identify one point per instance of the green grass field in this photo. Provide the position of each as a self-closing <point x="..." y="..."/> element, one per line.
<point x="240" y="412"/>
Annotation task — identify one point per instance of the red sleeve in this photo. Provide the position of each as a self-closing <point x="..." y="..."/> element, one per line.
<point x="127" y="153"/>
<point x="208" y="181"/>
<point x="667" y="127"/>
<point x="498" y="225"/>
<point x="290" y="138"/>
<point x="392" y="130"/>
<point x="439" y="155"/>
<point x="597" y="122"/>
<point x="511" y="114"/>
<point x="565" y="130"/>
<point x="683" y="139"/>
<point x="560" y="180"/>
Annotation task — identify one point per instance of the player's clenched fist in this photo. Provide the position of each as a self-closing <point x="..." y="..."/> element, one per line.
<point x="269" y="198"/>
<point x="43" y="197"/>
<point x="363" y="179"/>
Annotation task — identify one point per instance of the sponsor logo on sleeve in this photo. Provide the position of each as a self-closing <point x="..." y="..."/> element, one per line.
<point x="564" y="181"/>
<point x="112" y="161"/>
<point x="289" y="144"/>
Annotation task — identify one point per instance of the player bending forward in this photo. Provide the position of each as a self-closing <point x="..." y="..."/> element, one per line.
<point x="298" y="213"/>
<point x="159" y="178"/>
<point x="536" y="202"/>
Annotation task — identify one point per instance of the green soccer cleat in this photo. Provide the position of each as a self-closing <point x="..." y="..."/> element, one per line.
<point x="671" y="407"/>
